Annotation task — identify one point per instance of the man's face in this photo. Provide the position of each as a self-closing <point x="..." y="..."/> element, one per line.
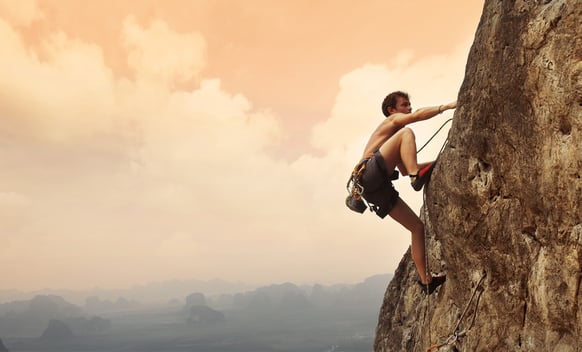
<point x="403" y="105"/>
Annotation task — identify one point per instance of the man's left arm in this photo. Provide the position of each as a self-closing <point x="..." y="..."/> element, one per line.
<point x="422" y="114"/>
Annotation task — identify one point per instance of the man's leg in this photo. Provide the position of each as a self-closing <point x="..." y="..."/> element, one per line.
<point x="400" y="149"/>
<point x="407" y="218"/>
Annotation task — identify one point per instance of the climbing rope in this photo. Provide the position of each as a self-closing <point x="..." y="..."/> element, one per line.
<point x="456" y="334"/>
<point x="434" y="135"/>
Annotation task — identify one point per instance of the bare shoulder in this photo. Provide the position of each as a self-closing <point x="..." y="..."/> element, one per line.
<point x="384" y="131"/>
<point x="389" y="124"/>
<point x="382" y="127"/>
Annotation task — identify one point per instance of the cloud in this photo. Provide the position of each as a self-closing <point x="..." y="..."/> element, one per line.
<point x="158" y="52"/>
<point x="62" y="91"/>
<point x="20" y="13"/>
<point x="430" y="81"/>
<point x="105" y="160"/>
<point x="132" y="175"/>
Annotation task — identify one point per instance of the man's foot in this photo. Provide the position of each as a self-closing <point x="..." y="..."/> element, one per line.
<point x="436" y="281"/>
<point x="422" y="177"/>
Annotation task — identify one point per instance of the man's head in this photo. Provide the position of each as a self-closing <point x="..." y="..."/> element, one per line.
<point x="396" y="102"/>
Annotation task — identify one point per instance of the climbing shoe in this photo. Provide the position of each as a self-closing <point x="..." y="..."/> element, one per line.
<point x="429" y="288"/>
<point x="422" y="177"/>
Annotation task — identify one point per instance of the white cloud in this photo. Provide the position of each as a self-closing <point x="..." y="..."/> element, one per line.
<point x="139" y="169"/>
<point x="157" y="52"/>
<point x="199" y="157"/>
<point x="356" y="108"/>
<point x="63" y="92"/>
<point x="430" y="81"/>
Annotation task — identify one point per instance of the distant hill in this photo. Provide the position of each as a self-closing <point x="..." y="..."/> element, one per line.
<point x="96" y="305"/>
<point x="278" y="317"/>
<point x="203" y="315"/>
<point x="42" y="306"/>
<point x="31" y="318"/>
<point x="154" y="292"/>
<point x="288" y="296"/>
<point x="56" y="331"/>
<point x="195" y="299"/>
<point x="2" y="347"/>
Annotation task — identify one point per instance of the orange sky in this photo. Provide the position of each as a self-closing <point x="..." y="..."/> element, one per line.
<point x="156" y="140"/>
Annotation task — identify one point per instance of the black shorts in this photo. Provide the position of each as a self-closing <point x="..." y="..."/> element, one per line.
<point x="378" y="187"/>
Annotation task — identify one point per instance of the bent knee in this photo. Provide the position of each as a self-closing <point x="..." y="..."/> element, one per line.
<point x="418" y="227"/>
<point x="407" y="132"/>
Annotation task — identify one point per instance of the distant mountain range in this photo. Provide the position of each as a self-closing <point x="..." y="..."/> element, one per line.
<point x="267" y="314"/>
<point x="155" y="292"/>
<point x="158" y="292"/>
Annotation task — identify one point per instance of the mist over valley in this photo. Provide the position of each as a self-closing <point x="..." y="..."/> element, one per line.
<point x="278" y="317"/>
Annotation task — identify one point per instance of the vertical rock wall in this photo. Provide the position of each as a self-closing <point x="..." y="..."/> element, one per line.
<point x="506" y="196"/>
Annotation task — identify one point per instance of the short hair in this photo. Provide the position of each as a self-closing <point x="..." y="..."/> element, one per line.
<point x="391" y="100"/>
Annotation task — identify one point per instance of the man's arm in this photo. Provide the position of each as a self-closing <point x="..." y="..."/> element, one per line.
<point x="422" y="114"/>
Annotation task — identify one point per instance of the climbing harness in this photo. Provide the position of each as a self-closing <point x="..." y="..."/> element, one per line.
<point x="354" y="200"/>
<point x="456" y="334"/>
<point x="354" y="186"/>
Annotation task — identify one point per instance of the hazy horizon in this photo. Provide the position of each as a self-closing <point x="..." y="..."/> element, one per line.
<point x="144" y="141"/>
<point x="163" y="292"/>
<point x="216" y="281"/>
<point x="282" y="317"/>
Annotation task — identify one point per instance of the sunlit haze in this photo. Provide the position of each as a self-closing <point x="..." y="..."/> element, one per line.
<point x="144" y="141"/>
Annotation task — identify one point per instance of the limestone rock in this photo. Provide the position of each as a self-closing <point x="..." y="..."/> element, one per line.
<point x="505" y="198"/>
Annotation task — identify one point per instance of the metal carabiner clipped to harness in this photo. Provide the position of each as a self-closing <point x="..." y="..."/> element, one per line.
<point x="354" y="200"/>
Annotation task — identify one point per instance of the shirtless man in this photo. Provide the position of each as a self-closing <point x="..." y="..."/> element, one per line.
<point x="392" y="145"/>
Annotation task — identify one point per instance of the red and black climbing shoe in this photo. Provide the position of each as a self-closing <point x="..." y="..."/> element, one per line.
<point x="436" y="281"/>
<point x="422" y="177"/>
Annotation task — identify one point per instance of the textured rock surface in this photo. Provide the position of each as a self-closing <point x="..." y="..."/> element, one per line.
<point x="506" y="196"/>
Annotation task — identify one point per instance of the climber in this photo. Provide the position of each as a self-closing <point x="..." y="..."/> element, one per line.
<point x="391" y="146"/>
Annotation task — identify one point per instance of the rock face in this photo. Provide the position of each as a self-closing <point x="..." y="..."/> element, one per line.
<point x="505" y="199"/>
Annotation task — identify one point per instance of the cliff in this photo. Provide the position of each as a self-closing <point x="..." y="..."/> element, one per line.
<point x="503" y="210"/>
